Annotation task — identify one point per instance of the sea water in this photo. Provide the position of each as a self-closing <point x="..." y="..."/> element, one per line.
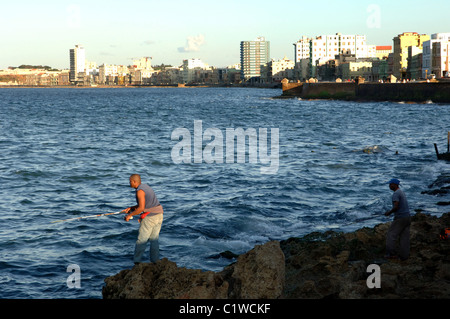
<point x="68" y="153"/>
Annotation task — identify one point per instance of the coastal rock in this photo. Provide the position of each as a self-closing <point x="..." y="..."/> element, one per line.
<point x="258" y="274"/>
<point x="316" y="266"/>
<point x="164" y="280"/>
<point x="440" y="187"/>
<point x="255" y="275"/>
<point x="334" y="265"/>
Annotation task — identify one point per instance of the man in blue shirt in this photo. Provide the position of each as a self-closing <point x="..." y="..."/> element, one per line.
<point x="151" y="218"/>
<point x="400" y="227"/>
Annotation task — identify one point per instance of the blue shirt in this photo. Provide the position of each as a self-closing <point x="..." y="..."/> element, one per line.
<point x="403" y="207"/>
<point x="150" y="196"/>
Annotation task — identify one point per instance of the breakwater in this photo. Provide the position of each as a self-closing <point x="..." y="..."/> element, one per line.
<point x="420" y="92"/>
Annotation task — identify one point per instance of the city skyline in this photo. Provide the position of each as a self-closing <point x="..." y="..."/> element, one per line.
<point x="115" y="32"/>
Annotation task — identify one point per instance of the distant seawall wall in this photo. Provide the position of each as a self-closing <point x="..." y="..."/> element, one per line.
<point x="438" y="92"/>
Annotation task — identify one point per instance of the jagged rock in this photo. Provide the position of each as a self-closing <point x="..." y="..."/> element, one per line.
<point x="164" y="280"/>
<point x="256" y="274"/>
<point x="316" y="266"/>
<point x="440" y="187"/>
<point x="336" y="266"/>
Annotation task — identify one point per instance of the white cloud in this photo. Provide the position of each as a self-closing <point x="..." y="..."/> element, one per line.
<point x="193" y="43"/>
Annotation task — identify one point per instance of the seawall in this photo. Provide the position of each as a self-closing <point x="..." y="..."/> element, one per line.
<point x="420" y="92"/>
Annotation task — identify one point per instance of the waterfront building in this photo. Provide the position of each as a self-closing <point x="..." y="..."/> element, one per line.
<point x="383" y="51"/>
<point x="77" y="64"/>
<point x="34" y="77"/>
<point x="231" y="75"/>
<point x="440" y="59"/>
<point x="379" y="71"/>
<point x="321" y="49"/>
<point x="414" y="68"/>
<point x="111" y="74"/>
<point x="91" y="68"/>
<point x="302" y="49"/>
<point x="254" y="54"/>
<point x="190" y="70"/>
<point x="144" y="63"/>
<point x="401" y="44"/>
<point x="275" y="71"/>
<point x="435" y="55"/>
<point x="353" y="70"/>
<point x="141" y="71"/>
<point x="141" y="76"/>
<point x="167" y="76"/>
<point x="302" y="54"/>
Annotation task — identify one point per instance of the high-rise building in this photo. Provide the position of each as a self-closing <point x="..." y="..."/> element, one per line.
<point x="254" y="54"/>
<point x="77" y="63"/>
<point x="401" y="44"/>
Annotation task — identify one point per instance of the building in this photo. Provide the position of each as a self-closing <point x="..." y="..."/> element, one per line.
<point x="432" y="64"/>
<point x="167" y="76"/>
<point x="141" y="71"/>
<point x="440" y="59"/>
<point x="190" y="70"/>
<point x="321" y="49"/>
<point x="276" y="71"/>
<point x="91" y="68"/>
<point x="401" y="44"/>
<point x="77" y="64"/>
<point x="302" y="49"/>
<point x="254" y="54"/>
<point x="111" y="74"/>
<point x="414" y="69"/>
<point x="354" y="69"/>
<point x="383" y="51"/>
<point x="144" y="63"/>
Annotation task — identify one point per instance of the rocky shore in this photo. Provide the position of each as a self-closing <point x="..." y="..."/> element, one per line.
<point x="326" y="265"/>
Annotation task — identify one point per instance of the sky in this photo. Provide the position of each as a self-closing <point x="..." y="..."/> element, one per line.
<point x="169" y="31"/>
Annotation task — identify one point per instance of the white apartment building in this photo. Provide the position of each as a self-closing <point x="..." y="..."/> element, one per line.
<point x="141" y="71"/>
<point x="302" y="49"/>
<point x="189" y="66"/>
<point x="77" y="62"/>
<point x="144" y="63"/>
<point x="435" y="59"/>
<point x="195" y="63"/>
<point x="323" y="48"/>
<point x="276" y="71"/>
<point x="106" y="70"/>
<point x="91" y="68"/>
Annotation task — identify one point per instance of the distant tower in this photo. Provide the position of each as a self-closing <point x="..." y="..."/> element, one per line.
<point x="77" y="63"/>
<point x="254" y="54"/>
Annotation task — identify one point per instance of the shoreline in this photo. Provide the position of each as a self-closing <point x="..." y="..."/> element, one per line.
<point x="330" y="265"/>
<point x="412" y="92"/>
<point x="134" y="86"/>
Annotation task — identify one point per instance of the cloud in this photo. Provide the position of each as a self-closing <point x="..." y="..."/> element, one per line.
<point x="193" y="44"/>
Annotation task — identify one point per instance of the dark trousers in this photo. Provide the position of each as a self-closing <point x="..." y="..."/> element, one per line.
<point x="399" y="229"/>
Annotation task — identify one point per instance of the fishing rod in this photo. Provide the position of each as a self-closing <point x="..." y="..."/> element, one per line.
<point x="85" y="217"/>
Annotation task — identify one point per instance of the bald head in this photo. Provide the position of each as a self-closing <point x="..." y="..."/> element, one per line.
<point x="135" y="180"/>
<point x="135" y="177"/>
